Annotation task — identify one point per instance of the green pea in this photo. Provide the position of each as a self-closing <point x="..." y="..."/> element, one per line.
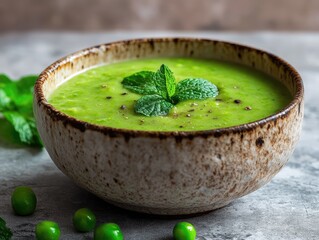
<point x="108" y="231"/>
<point x="84" y="220"/>
<point x="184" y="231"/>
<point x="23" y="201"/>
<point x="47" y="230"/>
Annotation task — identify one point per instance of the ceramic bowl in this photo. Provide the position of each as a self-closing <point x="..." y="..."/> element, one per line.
<point x="169" y="173"/>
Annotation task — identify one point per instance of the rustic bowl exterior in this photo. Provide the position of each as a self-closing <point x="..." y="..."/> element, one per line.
<point x="169" y="173"/>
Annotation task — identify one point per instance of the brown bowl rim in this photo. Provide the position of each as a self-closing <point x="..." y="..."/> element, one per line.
<point x="127" y="133"/>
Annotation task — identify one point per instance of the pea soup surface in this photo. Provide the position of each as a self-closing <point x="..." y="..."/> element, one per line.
<point x="245" y="95"/>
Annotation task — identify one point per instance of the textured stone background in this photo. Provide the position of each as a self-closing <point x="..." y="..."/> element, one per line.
<point x="95" y="15"/>
<point x="285" y="209"/>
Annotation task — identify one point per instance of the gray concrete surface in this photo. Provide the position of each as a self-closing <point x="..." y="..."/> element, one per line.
<point x="285" y="209"/>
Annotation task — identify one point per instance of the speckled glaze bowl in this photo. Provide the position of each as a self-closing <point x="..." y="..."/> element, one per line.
<point x="169" y="173"/>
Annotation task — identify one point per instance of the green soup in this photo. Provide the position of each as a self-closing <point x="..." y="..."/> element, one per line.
<point x="245" y="95"/>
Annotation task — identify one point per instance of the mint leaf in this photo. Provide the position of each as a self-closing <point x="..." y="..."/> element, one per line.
<point x="16" y="94"/>
<point x="169" y="79"/>
<point x="24" y="96"/>
<point x="141" y="83"/>
<point x="7" y="92"/>
<point x="24" y="126"/>
<point x="5" y="232"/>
<point x="26" y="83"/>
<point x="194" y="89"/>
<point x="161" y="82"/>
<point x="4" y="79"/>
<point x="5" y="101"/>
<point x="8" y="135"/>
<point x="153" y="105"/>
<point x="16" y="99"/>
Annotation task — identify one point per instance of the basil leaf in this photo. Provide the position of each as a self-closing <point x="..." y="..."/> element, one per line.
<point x="153" y="105"/>
<point x="194" y="89"/>
<point x="24" y="126"/>
<point x="5" y="232"/>
<point x="141" y="83"/>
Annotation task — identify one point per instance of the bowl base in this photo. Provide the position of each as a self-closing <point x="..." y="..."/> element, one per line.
<point x="173" y="212"/>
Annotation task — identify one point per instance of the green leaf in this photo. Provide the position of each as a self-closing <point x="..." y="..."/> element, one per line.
<point x="24" y="126"/>
<point x="161" y="82"/>
<point x="141" y="83"/>
<point x="4" y="79"/>
<point x="16" y="94"/>
<point x="25" y="88"/>
<point x="153" y="105"/>
<point x="194" y="89"/>
<point x="8" y="91"/>
<point x="16" y="99"/>
<point x="8" y="136"/>
<point x="5" y="101"/>
<point x="26" y="84"/>
<point x="169" y="78"/>
<point x="5" y="232"/>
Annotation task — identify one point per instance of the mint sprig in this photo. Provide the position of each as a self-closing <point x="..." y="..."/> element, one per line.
<point x="5" y="232"/>
<point x="16" y="108"/>
<point x="162" y="93"/>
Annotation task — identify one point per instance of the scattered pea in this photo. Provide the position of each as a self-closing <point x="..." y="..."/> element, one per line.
<point x="184" y="231"/>
<point x="47" y="230"/>
<point x="23" y="201"/>
<point x="108" y="231"/>
<point x="84" y="220"/>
